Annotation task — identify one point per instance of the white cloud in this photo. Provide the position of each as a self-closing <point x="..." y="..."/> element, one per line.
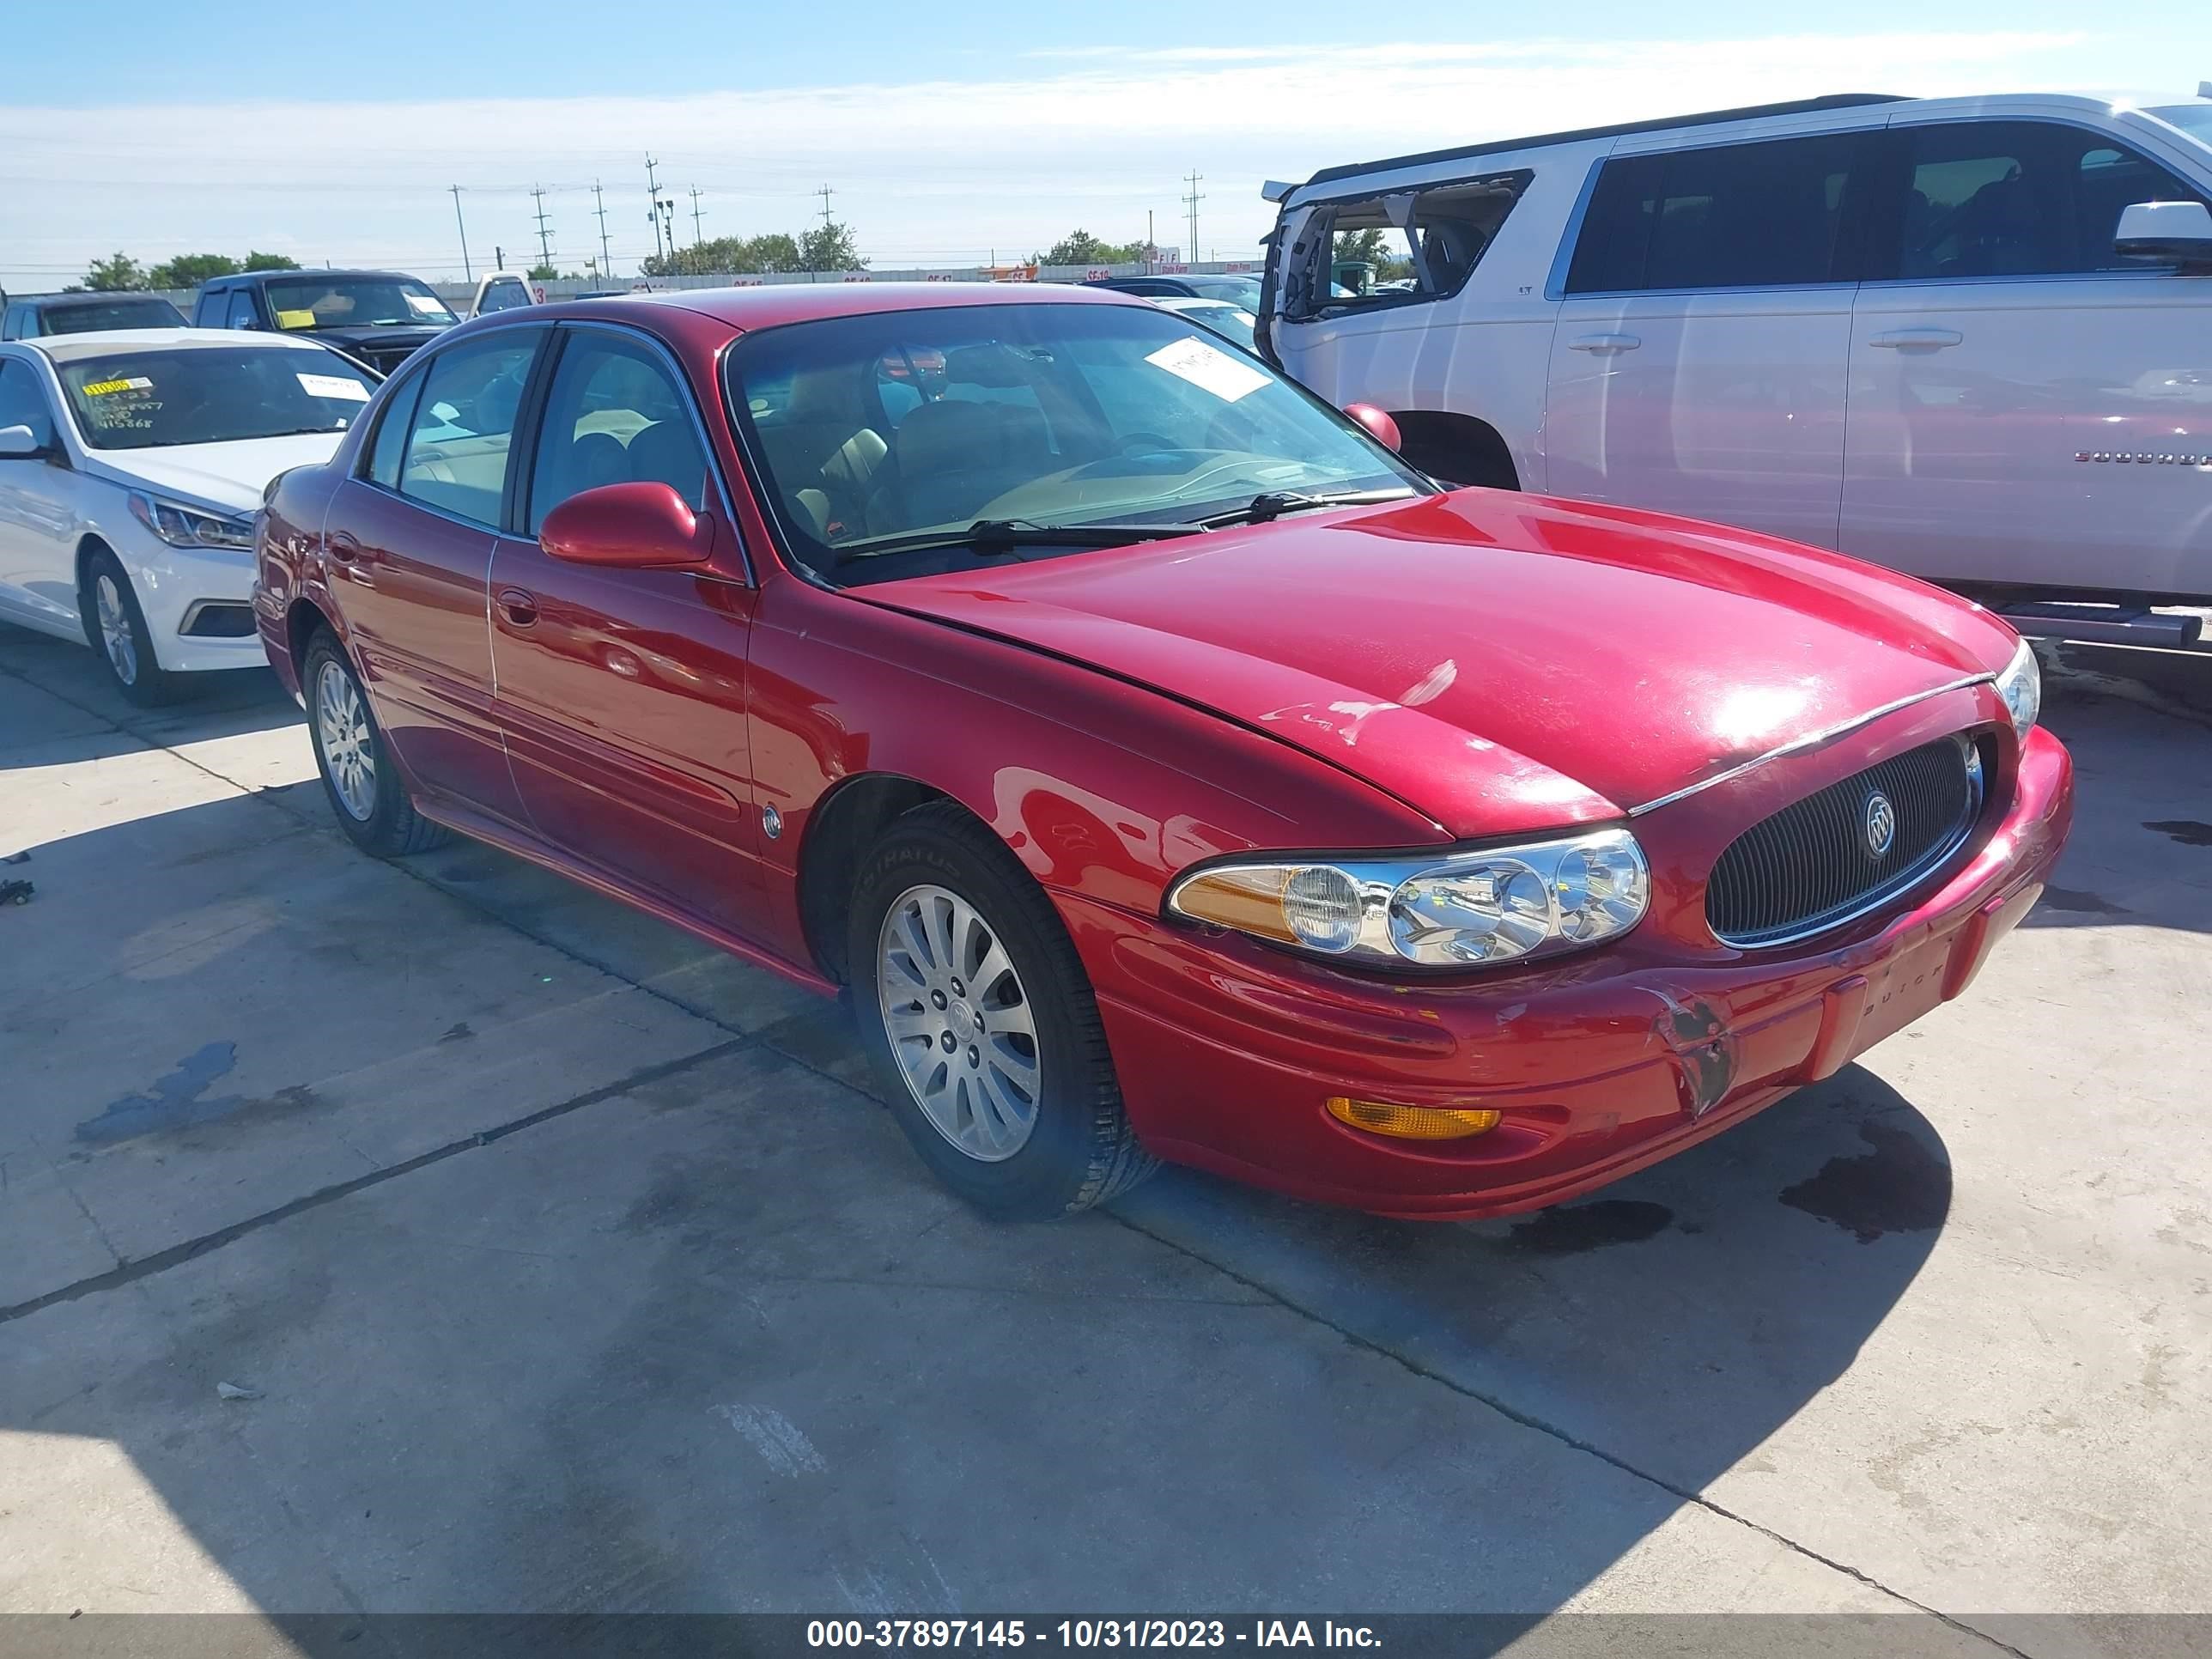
<point x="940" y="171"/>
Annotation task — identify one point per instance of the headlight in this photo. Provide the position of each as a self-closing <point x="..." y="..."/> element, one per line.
<point x="1462" y="910"/>
<point x="188" y="526"/>
<point x="2021" y="685"/>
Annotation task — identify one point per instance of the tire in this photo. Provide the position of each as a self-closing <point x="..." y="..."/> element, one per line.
<point x="367" y="794"/>
<point x="1077" y="1149"/>
<point x="115" y="628"/>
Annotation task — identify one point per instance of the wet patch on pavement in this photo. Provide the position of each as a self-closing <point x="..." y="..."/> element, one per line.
<point x="1572" y="1229"/>
<point x="2189" y="832"/>
<point x="2081" y="901"/>
<point x="179" y="1101"/>
<point x="1900" y="1186"/>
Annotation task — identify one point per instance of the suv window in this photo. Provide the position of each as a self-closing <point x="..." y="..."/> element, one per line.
<point x="1404" y="248"/>
<point x="2016" y="198"/>
<point x="1735" y="215"/>
<point x="23" y="401"/>
<point x="615" y="415"/>
<point x="459" y="434"/>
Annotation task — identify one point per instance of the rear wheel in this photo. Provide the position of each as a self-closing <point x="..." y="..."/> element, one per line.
<point x="116" y="626"/>
<point x="977" y="1012"/>
<point x="365" y="789"/>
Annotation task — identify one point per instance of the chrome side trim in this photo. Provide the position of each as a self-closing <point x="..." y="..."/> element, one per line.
<point x="1811" y="740"/>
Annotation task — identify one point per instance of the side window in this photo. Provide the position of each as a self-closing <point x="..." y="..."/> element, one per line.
<point x="391" y="443"/>
<point x="1735" y="215"/>
<point x="23" y="401"/>
<point x="504" y="294"/>
<point x="241" y="309"/>
<point x="461" y="430"/>
<point x="615" y="415"/>
<point x="1405" y="247"/>
<point x="208" y="308"/>
<point x="11" y="321"/>
<point x="2108" y="178"/>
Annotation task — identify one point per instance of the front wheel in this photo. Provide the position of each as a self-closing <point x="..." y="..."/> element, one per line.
<point x="365" y="789"/>
<point x="977" y="1012"/>
<point x="116" y="626"/>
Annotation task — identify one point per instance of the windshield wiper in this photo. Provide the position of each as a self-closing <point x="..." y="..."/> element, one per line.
<point x="1273" y="503"/>
<point x="1004" y="535"/>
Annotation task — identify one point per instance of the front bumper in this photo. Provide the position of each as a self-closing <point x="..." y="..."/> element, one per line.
<point x="1226" y="1051"/>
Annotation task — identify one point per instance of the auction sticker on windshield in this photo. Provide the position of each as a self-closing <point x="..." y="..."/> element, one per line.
<point x="109" y="388"/>
<point x="1209" y="370"/>
<point x="429" y="305"/>
<point x="295" y="320"/>
<point x="329" y="386"/>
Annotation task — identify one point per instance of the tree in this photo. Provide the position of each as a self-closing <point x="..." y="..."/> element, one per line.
<point x="1369" y="246"/>
<point x="545" y="273"/>
<point x="271" y="262"/>
<point x="115" y="276"/>
<point x="727" y="256"/>
<point x="1080" y="247"/>
<point x="191" y="269"/>
<point x="829" y="246"/>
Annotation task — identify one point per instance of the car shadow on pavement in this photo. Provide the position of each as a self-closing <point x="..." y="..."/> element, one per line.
<point x="58" y="705"/>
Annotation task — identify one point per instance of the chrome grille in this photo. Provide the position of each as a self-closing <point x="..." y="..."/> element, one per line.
<point x="1812" y="865"/>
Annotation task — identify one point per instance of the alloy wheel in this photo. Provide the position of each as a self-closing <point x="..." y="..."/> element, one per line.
<point x="115" y="636"/>
<point x="341" y="733"/>
<point x="961" y="1026"/>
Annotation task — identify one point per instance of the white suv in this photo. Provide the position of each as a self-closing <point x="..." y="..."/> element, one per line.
<point x="1917" y="331"/>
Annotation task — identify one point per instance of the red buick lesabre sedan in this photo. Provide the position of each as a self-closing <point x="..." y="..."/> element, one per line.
<point x="1166" y="769"/>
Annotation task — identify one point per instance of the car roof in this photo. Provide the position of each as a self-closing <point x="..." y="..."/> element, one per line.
<point x="1702" y="118"/>
<point x="43" y="301"/>
<point x="68" y="348"/>
<point x="795" y="302"/>
<point x="240" y="279"/>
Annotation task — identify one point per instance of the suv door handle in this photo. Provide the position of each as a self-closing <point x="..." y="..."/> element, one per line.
<point x="1917" y="339"/>
<point x="1604" y="346"/>
<point x="520" y="608"/>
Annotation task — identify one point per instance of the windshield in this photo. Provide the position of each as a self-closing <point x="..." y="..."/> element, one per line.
<point x="356" y="302"/>
<point x="872" y="430"/>
<point x="1229" y="321"/>
<point x="1237" y="290"/>
<point x="92" y="317"/>
<point x="210" y="395"/>
<point x="2195" y="119"/>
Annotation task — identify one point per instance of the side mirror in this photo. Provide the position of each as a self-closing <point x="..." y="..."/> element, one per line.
<point x="20" y="443"/>
<point x="1380" y="426"/>
<point x="2166" y="232"/>
<point x="631" y="526"/>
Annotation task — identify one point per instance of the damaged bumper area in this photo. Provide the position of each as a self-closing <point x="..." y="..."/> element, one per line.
<point x="1228" y="1052"/>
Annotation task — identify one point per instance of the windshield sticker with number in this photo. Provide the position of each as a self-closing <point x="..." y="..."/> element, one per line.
<point x="109" y="388"/>
<point x="1208" y="370"/>
<point x="333" y="385"/>
<point x="429" y="305"/>
<point x="295" y="320"/>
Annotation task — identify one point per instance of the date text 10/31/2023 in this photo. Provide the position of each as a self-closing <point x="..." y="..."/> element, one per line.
<point x="1085" y="1633"/>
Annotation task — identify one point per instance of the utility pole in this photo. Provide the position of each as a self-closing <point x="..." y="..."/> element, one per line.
<point x="1151" y="244"/>
<point x="653" y="202"/>
<point x="825" y="193"/>
<point x="697" y="238"/>
<point x="544" y="235"/>
<point x="606" y="259"/>
<point x="465" y="270"/>
<point x="1191" y="201"/>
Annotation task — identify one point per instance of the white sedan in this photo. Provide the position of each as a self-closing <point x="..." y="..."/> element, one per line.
<point x="131" y="463"/>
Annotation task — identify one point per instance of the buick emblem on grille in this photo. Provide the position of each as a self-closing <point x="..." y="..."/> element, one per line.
<point x="1880" y="824"/>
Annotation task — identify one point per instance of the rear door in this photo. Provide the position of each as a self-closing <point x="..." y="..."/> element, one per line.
<point x="2026" y="408"/>
<point x="622" y="692"/>
<point x="1698" y="362"/>
<point x="411" y="539"/>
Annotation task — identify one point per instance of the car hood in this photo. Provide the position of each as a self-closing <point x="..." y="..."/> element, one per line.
<point x="392" y="337"/>
<point x="227" y="477"/>
<point x="1502" y="662"/>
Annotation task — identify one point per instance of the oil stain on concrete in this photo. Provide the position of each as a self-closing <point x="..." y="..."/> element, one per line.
<point x="2189" y="832"/>
<point x="2080" y="902"/>
<point x="1900" y="1186"/>
<point x="179" y="1100"/>
<point x="1572" y="1230"/>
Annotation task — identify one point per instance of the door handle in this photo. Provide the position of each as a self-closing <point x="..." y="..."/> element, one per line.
<point x="1604" y="346"/>
<point x="1917" y="339"/>
<point x="520" y="608"/>
<point x="343" y="548"/>
<point x="349" y="556"/>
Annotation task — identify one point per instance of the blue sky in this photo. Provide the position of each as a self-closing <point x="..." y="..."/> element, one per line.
<point x="950" y="133"/>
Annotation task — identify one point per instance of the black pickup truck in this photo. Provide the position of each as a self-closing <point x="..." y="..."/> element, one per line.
<point x="376" y="317"/>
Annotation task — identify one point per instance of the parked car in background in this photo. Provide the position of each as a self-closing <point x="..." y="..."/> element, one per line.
<point x="37" y="315"/>
<point x="379" y="317"/>
<point x="1953" y="337"/>
<point x="1237" y="290"/>
<point x="131" y="465"/>
<point x="1230" y="321"/>
<point x="1168" y="770"/>
<point x="502" y="290"/>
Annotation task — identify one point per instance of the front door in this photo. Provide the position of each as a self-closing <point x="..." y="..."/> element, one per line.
<point x="2020" y="398"/>
<point x="622" y="692"/>
<point x="410" y="545"/>
<point x="1698" y="359"/>
<point x="39" y="520"/>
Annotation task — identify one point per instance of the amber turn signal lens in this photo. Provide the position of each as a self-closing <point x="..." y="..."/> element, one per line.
<point x="1413" y="1122"/>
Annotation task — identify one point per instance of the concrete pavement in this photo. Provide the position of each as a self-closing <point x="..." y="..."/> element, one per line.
<point x="575" y="1269"/>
